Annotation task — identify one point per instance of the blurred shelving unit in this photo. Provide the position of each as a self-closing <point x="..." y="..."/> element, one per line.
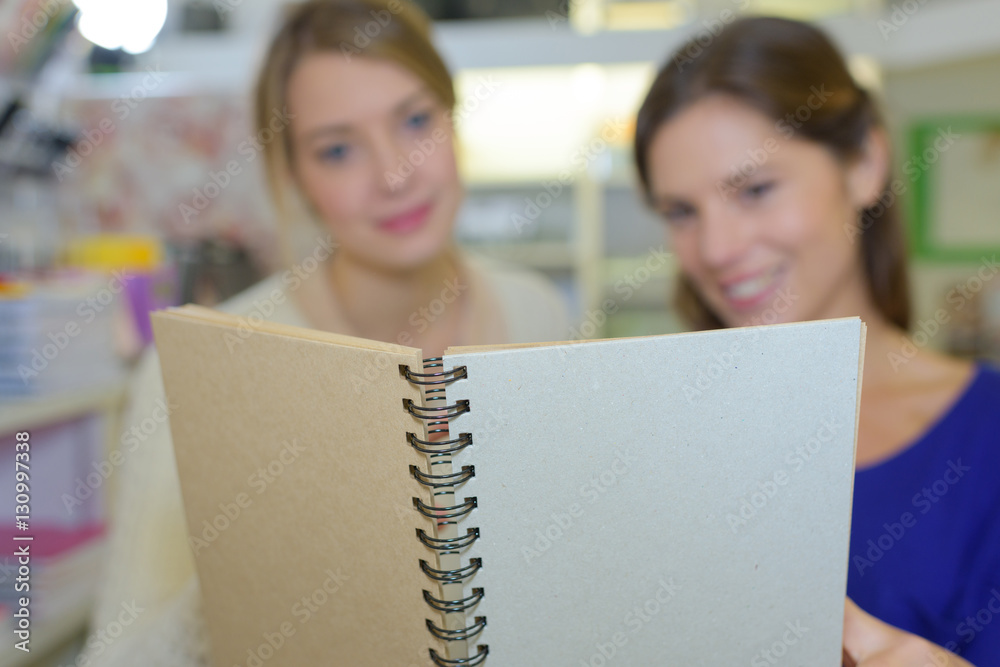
<point x="596" y="239"/>
<point x="82" y="410"/>
<point x="546" y="162"/>
<point x="600" y="243"/>
<point x="26" y="413"/>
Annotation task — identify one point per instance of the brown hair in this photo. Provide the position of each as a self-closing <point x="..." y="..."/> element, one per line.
<point x="775" y="65"/>
<point x="394" y="30"/>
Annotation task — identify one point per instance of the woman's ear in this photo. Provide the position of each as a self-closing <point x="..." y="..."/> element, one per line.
<point x="868" y="172"/>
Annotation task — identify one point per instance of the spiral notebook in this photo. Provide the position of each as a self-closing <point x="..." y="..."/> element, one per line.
<point x="668" y="500"/>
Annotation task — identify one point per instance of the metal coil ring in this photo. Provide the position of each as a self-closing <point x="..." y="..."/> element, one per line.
<point x="443" y="413"/>
<point x="452" y="576"/>
<point x="441" y="446"/>
<point x="457" y="635"/>
<point x="477" y="659"/>
<point x="450" y="512"/>
<point x="448" y="544"/>
<point x="443" y="377"/>
<point x="453" y="606"/>
<point x="437" y="481"/>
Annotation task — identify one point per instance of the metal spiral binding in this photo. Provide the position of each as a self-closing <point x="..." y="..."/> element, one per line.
<point x="443" y="377"/>
<point x="435" y="412"/>
<point x="437" y="481"/>
<point x="477" y="659"/>
<point x="450" y="545"/>
<point x="455" y="635"/>
<point x="452" y="512"/>
<point x="455" y="605"/>
<point x="434" y="381"/>
<point x="443" y="446"/>
<point x="455" y="576"/>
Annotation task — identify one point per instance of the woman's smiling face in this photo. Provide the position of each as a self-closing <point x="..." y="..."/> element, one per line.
<point x="373" y="154"/>
<point x="762" y="223"/>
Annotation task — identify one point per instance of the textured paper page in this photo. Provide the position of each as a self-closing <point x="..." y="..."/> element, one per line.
<point x="295" y="475"/>
<point x="673" y="500"/>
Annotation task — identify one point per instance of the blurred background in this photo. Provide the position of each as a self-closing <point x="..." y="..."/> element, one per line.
<point x="117" y="118"/>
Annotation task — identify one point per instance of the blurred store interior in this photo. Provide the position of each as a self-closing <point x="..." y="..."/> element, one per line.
<point x="114" y="114"/>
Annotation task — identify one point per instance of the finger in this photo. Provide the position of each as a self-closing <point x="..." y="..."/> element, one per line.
<point x="865" y="635"/>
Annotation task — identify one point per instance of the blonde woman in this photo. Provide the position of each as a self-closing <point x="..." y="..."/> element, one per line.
<point x="368" y="153"/>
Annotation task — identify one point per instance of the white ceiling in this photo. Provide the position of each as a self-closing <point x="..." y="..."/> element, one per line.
<point x="939" y="31"/>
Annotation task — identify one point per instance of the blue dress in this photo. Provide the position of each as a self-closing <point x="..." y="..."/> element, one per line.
<point x="925" y="537"/>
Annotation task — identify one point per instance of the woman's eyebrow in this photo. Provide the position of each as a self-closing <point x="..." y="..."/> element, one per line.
<point x="739" y="179"/>
<point x="343" y="128"/>
<point x="323" y="130"/>
<point x="663" y="202"/>
<point x="411" y="100"/>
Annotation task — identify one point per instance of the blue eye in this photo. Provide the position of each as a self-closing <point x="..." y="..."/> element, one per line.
<point x="335" y="153"/>
<point x="418" y="121"/>
<point x="678" y="215"/>
<point x="758" y="190"/>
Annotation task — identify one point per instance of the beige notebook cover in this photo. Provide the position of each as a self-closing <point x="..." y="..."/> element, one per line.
<point x="679" y="499"/>
<point x="294" y="469"/>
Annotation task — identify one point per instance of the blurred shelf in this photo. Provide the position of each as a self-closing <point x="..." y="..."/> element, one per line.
<point x="501" y="183"/>
<point x="30" y="412"/>
<point x="623" y="180"/>
<point x="638" y="322"/>
<point x="543" y="255"/>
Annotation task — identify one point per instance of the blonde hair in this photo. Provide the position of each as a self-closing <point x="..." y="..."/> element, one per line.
<point x="394" y="30"/>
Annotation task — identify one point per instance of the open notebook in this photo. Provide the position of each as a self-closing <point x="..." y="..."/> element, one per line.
<point x="666" y="500"/>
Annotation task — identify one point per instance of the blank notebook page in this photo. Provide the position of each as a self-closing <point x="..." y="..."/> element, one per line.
<point x="679" y="500"/>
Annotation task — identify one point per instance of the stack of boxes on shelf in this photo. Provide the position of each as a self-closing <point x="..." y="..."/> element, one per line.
<point x="57" y="335"/>
<point x="65" y="525"/>
<point x="64" y="336"/>
<point x="67" y="516"/>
